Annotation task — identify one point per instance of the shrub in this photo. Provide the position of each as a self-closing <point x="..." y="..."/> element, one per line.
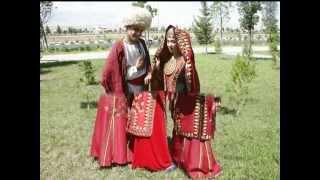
<point x="87" y="48"/>
<point x="87" y="71"/>
<point x="87" y="79"/>
<point x="242" y="73"/>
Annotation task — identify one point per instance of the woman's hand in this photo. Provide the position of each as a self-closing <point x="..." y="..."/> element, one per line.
<point x="147" y="79"/>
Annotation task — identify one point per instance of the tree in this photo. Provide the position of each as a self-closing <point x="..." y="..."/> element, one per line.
<point x="202" y="26"/>
<point x="162" y="29"/>
<point x="248" y="18"/>
<point x="70" y="30"/>
<point x="139" y="4"/>
<point x="59" y="31"/>
<point x="153" y="12"/>
<point x="220" y="12"/>
<point x="48" y="31"/>
<point x="45" y="13"/>
<point x="270" y="27"/>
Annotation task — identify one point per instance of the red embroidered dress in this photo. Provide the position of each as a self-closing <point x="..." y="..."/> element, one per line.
<point x="147" y="124"/>
<point x="193" y="113"/>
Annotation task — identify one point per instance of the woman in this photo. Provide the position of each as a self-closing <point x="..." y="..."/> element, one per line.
<point x="175" y="73"/>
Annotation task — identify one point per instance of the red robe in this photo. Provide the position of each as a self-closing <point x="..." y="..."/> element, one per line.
<point x="109" y="142"/>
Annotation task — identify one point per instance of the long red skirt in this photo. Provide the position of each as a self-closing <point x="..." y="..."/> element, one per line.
<point x="153" y="153"/>
<point x="195" y="157"/>
<point x="109" y="140"/>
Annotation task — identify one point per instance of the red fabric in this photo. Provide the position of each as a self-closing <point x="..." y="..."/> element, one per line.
<point x="138" y="81"/>
<point x="109" y="141"/>
<point x="195" y="157"/>
<point x="153" y="153"/>
<point x="141" y="115"/>
<point x="113" y="74"/>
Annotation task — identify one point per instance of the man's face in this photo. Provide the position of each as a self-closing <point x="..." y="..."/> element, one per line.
<point x="171" y="41"/>
<point x="134" y="33"/>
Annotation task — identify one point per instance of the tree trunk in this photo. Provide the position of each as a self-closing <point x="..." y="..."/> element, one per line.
<point x="43" y="34"/>
<point x="206" y="49"/>
<point x="220" y="26"/>
<point x="250" y="43"/>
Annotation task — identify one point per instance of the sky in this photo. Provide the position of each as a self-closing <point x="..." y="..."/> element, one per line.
<point x="110" y="13"/>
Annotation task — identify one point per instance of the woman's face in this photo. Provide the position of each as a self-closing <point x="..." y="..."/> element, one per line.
<point x="134" y="33"/>
<point x="171" y="41"/>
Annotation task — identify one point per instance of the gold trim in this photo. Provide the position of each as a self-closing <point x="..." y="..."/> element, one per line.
<point x="114" y="103"/>
<point x="205" y="143"/>
<point x="105" y="152"/>
<point x="200" y="159"/>
<point x="170" y="66"/>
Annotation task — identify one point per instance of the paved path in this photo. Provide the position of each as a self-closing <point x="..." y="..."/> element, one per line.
<point x="229" y="50"/>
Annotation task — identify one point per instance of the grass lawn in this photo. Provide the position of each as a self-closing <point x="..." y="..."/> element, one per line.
<point x="247" y="146"/>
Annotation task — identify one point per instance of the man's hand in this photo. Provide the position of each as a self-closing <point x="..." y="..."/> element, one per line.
<point x="218" y="102"/>
<point x="140" y="62"/>
<point x="147" y="79"/>
<point x="157" y="63"/>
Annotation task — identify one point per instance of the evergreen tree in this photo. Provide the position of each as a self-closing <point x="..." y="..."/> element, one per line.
<point x="48" y="31"/>
<point x="270" y="27"/>
<point x="249" y="18"/>
<point x="59" y="31"/>
<point x="202" y="26"/>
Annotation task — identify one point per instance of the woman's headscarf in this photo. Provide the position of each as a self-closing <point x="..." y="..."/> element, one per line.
<point x="184" y="45"/>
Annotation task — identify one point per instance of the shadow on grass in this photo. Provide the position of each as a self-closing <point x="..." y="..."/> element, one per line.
<point x="252" y="100"/>
<point x="262" y="59"/>
<point x="42" y="71"/>
<point x="56" y="64"/>
<point x="276" y="68"/>
<point x="91" y="104"/>
<point x="226" y="110"/>
<point x="113" y="165"/>
<point x="94" y="83"/>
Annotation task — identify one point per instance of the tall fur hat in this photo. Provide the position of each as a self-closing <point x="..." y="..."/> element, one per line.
<point x="139" y="17"/>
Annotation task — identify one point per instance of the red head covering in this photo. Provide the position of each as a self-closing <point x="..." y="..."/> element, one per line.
<point x="184" y="45"/>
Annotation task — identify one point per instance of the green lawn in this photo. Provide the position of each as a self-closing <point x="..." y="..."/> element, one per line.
<point x="247" y="146"/>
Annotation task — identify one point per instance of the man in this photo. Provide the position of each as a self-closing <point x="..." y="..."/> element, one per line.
<point x="125" y="73"/>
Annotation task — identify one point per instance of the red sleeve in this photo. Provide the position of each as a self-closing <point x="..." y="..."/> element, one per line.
<point x="110" y="72"/>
